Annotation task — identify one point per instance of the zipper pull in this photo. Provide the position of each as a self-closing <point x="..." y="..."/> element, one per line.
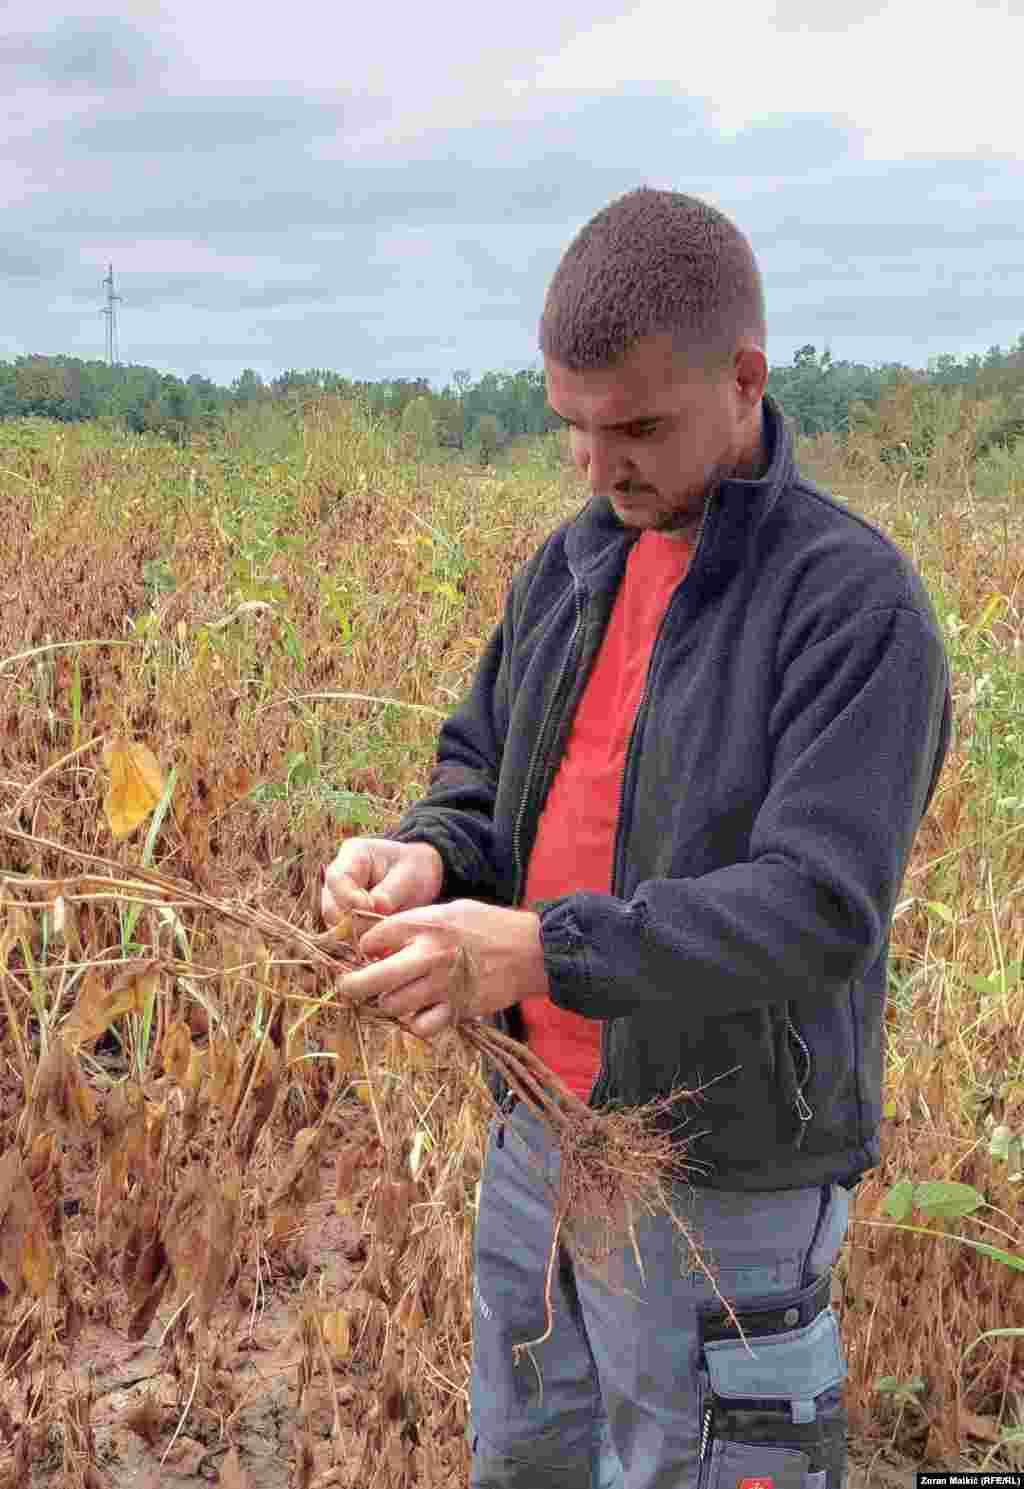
<point x="705" y="1436"/>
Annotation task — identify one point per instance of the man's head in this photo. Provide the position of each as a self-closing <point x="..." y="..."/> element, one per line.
<point x="654" y="322"/>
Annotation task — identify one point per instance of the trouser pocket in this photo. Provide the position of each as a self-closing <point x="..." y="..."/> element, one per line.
<point x="772" y="1414"/>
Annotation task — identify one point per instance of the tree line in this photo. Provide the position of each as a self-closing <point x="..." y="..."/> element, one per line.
<point x="817" y="393"/>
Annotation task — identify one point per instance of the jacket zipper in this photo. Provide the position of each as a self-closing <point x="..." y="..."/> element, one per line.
<point x="517" y="831"/>
<point x="531" y="771"/>
<point x="705" y="1435"/>
<point x="637" y="718"/>
<point x="707" y="1415"/>
<point x="803" y="1111"/>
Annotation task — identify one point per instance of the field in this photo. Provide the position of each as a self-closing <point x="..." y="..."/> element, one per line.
<point x="236" y="1222"/>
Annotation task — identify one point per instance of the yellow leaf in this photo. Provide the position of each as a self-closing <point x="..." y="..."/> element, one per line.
<point x="337" y="1333"/>
<point x="36" y="1262"/>
<point x="136" y="785"/>
<point x="285" y="1226"/>
<point x="410" y="1312"/>
<point x="177" y="1052"/>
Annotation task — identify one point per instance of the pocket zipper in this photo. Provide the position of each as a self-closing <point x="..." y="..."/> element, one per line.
<point x="705" y="1436"/>
<point x="803" y="1111"/>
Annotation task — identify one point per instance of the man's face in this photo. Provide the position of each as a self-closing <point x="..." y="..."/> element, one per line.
<point x="655" y="436"/>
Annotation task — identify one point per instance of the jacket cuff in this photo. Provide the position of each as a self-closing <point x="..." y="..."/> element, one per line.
<point x="565" y="956"/>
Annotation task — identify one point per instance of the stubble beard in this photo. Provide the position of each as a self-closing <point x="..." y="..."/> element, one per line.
<point x="684" y="520"/>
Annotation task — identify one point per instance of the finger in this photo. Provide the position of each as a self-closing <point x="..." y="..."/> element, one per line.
<point x="384" y="977"/>
<point x="388" y="935"/>
<point x="431" y="1021"/>
<point x="412" y="998"/>
<point x="344" y="889"/>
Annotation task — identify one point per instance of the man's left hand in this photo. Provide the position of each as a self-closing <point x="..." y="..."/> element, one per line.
<point x="417" y="949"/>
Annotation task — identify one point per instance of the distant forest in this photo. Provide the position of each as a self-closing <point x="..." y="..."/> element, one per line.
<point x="816" y="393"/>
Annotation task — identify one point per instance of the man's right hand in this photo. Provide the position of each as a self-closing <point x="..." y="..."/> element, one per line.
<point x="382" y="876"/>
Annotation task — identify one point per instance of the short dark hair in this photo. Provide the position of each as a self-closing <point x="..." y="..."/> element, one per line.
<point x="653" y="262"/>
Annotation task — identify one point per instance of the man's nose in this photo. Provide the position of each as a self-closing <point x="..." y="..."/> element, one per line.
<point x="604" y="466"/>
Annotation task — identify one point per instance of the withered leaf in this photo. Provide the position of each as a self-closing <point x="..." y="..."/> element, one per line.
<point x="224" y="1076"/>
<point x="146" y="1311"/>
<point x="199" y="1235"/>
<point x="393" y="1201"/>
<point x="140" y="1259"/>
<point x="97" y="1005"/>
<point x="346" y="1166"/>
<point x="145" y="1418"/>
<point x="59" y="1091"/>
<point x="300" y="1184"/>
<point x="43" y="1169"/>
<point x="123" y="1135"/>
<point x="25" y="1256"/>
<point x="284" y="1226"/>
<point x="177" y="1052"/>
<point x="136" y="785"/>
<point x="257" y="1110"/>
<point x="410" y="1312"/>
<point x="232" y="1475"/>
<point x="337" y="1331"/>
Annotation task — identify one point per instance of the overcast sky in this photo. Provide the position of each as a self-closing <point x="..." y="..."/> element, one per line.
<point x="386" y="191"/>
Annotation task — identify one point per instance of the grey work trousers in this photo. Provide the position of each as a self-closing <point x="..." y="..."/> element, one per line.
<point x="637" y="1374"/>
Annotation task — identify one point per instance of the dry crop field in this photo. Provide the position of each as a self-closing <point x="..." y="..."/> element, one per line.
<point x="236" y="1219"/>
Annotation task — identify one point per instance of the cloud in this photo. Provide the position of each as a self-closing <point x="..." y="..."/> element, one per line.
<point x="103" y="55"/>
<point x="205" y="125"/>
<point x="25" y="262"/>
<point x="891" y="75"/>
<point x="249" y="166"/>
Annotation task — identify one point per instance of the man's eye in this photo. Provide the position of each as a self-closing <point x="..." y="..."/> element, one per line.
<point x="635" y="431"/>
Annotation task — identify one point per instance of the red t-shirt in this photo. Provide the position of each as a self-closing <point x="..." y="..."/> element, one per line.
<point x="576" y="832"/>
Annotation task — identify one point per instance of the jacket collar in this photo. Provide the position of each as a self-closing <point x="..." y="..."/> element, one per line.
<point x="739" y="507"/>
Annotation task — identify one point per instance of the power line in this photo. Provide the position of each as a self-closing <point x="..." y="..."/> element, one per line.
<point x="110" y="311"/>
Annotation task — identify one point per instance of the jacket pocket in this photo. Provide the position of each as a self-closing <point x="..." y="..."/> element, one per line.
<point x="772" y="1415"/>
<point x="802" y="1067"/>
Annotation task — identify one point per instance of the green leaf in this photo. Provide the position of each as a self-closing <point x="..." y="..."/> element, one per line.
<point x="942" y="911"/>
<point x="76" y="703"/>
<point x="891" y="1384"/>
<point x="292" y="645"/>
<point x="1000" y="1141"/>
<point x="946" y="1200"/>
<point x="899" y="1202"/>
<point x="448" y="591"/>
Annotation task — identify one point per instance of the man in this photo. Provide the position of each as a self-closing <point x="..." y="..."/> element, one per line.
<point x="676" y="806"/>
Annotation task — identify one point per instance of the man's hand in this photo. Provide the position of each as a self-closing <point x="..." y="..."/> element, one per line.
<point x="411" y="981"/>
